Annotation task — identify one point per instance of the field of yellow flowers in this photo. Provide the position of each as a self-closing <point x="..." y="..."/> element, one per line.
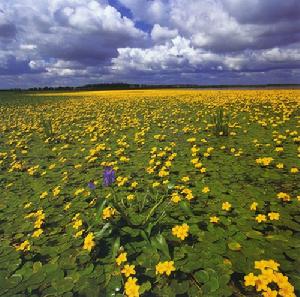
<point x="150" y="193"/>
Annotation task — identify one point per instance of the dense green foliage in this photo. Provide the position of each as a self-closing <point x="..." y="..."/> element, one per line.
<point x="172" y="167"/>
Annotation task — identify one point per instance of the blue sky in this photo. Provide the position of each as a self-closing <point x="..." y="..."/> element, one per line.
<point x="75" y="42"/>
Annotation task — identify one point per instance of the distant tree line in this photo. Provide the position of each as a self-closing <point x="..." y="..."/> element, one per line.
<point x="127" y="86"/>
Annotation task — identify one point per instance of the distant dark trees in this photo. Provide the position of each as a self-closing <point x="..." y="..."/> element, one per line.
<point x="127" y="86"/>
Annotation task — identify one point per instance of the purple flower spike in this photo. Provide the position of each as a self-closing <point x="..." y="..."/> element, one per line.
<point x="109" y="176"/>
<point x="91" y="185"/>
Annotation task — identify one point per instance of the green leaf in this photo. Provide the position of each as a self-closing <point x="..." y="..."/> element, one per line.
<point x="116" y="247"/>
<point x="145" y="287"/>
<point x="234" y="246"/>
<point x="180" y="287"/>
<point x="212" y="285"/>
<point x="254" y="234"/>
<point x="185" y="206"/>
<point x="37" y="266"/>
<point x="159" y="242"/>
<point x="133" y="232"/>
<point x="201" y="276"/>
<point x="36" y="279"/>
<point x="100" y="206"/>
<point x="63" y="285"/>
<point x="103" y="231"/>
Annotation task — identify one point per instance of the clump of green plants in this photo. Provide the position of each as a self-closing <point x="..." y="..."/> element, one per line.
<point x="47" y="127"/>
<point x="220" y="121"/>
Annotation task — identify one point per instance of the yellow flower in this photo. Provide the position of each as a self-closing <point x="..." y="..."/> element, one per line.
<point x="273" y="216"/>
<point x="185" y="179"/>
<point x="205" y="190"/>
<point x="284" y="196"/>
<point x="169" y="267"/>
<point x="261" y="283"/>
<point x="175" y="197"/>
<point x="181" y="231"/>
<point x="128" y="270"/>
<point x="287" y="290"/>
<point x="214" y="219"/>
<point x="30" y="215"/>
<point x="272" y="264"/>
<point x="250" y="279"/>
<point x="261" y="265"/>
<point x="52" y="166"/>
<point x="165" y="267"/>
<point x="264" y="264"/>
<point x="189" y="196"/>
<point x="38" y="223"/>
<point x="89" y="242"/>
<point x="79" y="233"/>
<point x="124" y="159"/>
<point x="76" y="217"/>
<point x="253" y="206"/>
<point x="150" y="170"/>
<point x="188" y="193"/>
<point x="43" y="195"/>
<point x="131" y="287"/>
<point x="134" y="184"/>
<point x="155" y="184"/>
<point x="269" y="274"/>
<point x="67" y="206"/>
<point x="210" y="149"/>
<point x="77" y="224"/>
<point x="130" y="197"/>
<point x="108" y="212"/>
<point x="226" y="206"/>
<point x="279" y="149"/>
<point x="56" y="191"/>
<point x="294" y="170"/>
<point x="198" y="165"/>
<point x="37" y="233"/>
<point x="121" y="258"/>
<point x="280" y="165"/>
<point x="260" y="218"/>
<point x="78" y="191"/>
<point x="163" y="173"/>
<point x="160" y="268"/>
<point x="24" y="246"/>
<point x="265" y="161"/>
<point x="27" y="205"/>
<point x="195" y="161"/>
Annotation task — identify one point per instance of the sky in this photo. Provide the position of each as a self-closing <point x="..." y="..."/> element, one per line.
<point x="76" y="42"/>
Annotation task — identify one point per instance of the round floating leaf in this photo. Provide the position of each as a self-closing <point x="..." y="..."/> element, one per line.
<point x="63" y="285"/>
<point x="254" y="234"/>
<point x="201" y="276"/>
<point x="212" y="285"/>
<point x="234" y="246"/>
<point x="37" y="266"/>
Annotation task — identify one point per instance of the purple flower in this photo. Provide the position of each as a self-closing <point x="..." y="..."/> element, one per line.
<point x="109" y="176"/>
<point x="91" y="185"/>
